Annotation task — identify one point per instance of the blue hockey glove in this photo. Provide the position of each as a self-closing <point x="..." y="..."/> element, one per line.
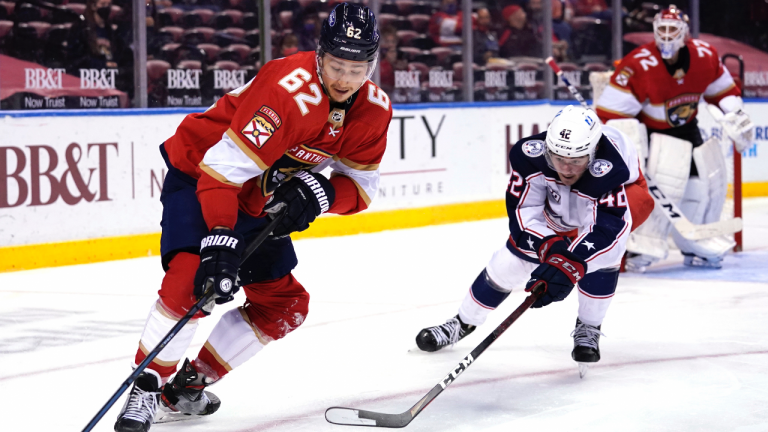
<point x="220" y="253"/>
<point x="560" y="270"/>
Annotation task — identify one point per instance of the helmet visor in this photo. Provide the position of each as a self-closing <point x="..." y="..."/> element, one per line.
<point x="353" y="72"/>
<point x="566" y="165"/>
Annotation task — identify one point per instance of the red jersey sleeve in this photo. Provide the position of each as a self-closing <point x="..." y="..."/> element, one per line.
<point x="621" y="97"/>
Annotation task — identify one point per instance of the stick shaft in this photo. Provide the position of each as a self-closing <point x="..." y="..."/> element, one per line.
<point x="177" y="327"/>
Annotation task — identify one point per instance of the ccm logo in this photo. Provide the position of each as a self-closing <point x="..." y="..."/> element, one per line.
<point x="565" y="265"/>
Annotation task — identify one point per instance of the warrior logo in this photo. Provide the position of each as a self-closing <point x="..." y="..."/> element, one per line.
<point x="682" y="109"/>
<point x="533" y="148"/>
<point x="600" y="167"/>
<point x="225" y="285"/>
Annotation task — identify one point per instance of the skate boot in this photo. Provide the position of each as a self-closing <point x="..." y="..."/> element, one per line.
<point x="185" y="393"/>
<point x="586" y="339"/>
<point x="692" y="260"/>
<point x="140" y="407"/>
<point x="435" y="338"/>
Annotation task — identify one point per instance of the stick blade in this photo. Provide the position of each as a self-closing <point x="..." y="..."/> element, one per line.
<point x="355" y="417"/>
<point x="714" y="229"/>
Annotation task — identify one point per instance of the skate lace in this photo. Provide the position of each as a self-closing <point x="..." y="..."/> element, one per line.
<point x="142" y="405"/>
<point x="586" y="335"/>
<point x="447" y="333"/>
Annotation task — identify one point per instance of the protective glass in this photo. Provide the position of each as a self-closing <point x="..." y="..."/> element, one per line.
<point x="337" y="69"/>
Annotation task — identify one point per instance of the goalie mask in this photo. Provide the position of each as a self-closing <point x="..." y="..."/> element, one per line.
<point x="670" y="27"/>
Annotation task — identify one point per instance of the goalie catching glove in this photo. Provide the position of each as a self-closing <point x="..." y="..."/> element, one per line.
<point x="739" y="128"/>
<point x="559" y="270"/>
<point x="220" y="253"/>
<point x="306" y="196"/>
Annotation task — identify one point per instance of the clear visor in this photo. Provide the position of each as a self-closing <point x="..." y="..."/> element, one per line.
<point x="336" y="69"/>
<point x="566" y="165"/>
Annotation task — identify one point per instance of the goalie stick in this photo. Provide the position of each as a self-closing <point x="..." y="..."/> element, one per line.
<point x="356" y="417"/>
<point x="682" y="225"/>
<point x="255" y="243"/>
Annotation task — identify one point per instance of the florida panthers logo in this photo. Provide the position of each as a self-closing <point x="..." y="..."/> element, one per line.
<point x="682" y="109"/>
<point x="600" y="167"/>
<point x="533" y="148"/>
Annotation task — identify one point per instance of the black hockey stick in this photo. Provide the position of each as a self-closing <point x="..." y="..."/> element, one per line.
<point x="176" y="328"/>
<point x="355" y="417"/>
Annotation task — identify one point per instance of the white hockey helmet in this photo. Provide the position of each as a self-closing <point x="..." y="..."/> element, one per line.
<point x="574" y="132"/>
<point x="670" y="27"/>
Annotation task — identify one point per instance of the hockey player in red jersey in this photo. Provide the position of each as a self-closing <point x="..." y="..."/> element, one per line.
<point x="575" y="194"/>
<point x="660" y="84"/>
<point x="258" y="150"/>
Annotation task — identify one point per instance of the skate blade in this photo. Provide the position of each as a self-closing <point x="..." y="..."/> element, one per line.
<point x="583" y="369"/>
<point x="170" y="417"/>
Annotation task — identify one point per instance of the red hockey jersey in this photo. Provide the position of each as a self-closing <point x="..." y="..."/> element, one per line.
<point x="281" y="122"/>
<point x="642" y="87"/>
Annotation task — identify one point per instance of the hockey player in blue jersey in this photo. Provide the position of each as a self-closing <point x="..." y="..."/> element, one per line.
<point x="575" y="193"/>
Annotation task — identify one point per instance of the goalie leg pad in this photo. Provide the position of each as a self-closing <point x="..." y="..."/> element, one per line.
<point x="504" y="273"/>
<point x="713" y="173"/>
<point x="669" y="164"/>
<point x="669" y="161"/>
<point x="635" y="131"/>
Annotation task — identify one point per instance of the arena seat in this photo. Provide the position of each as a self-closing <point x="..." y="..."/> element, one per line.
<point x="211" y="51"/>
<point x="170" y="34"/>
<point x="250" y="21"/>
<point x="419" y="22"/>
<point x="406" y="36"/>
<point x="170" y="16"/>
<point x="236" y="52"/>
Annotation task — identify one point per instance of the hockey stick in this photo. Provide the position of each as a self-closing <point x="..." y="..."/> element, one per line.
<point x="176" y="328"/>
<point x="355" y="417"/>
<point x="675" y="216"/>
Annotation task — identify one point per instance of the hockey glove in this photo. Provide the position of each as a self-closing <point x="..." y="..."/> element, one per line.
<point x="306" y="196"/>
<point x="220" y="254"/>
<point x="739" y="127"/>
<point x="559" y="271"/>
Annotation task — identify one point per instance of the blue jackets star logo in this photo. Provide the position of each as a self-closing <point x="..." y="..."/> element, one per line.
<point x="589" y="245"/>
<point x="530" y="243"/>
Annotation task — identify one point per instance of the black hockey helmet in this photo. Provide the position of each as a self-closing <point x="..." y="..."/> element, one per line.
<point x="350" y="33"/>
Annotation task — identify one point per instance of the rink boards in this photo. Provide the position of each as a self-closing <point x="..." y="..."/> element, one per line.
<point x="80" y="187"/>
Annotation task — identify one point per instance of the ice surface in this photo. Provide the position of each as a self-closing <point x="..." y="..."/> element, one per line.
<point x="685" y="350"/>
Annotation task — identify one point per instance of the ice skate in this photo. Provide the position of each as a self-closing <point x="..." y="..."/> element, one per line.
<point x="432" y="339"/>
<point x="140" y="407"/>
<point x="692" y="260"/>
<point x="184" y="397"/>
<point x="586" y="348"/>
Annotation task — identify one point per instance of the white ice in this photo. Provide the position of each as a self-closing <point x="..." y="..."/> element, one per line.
<point x="686" y="350"/>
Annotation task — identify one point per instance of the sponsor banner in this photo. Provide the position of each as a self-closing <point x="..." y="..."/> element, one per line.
<point x="65" y="178"/>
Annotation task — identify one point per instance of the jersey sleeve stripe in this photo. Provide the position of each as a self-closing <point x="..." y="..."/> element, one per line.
<point x="246" y="150"/>
<point x="367" y="182"/>
<point x="522" y="203"/>
<point x="359" y="167"/>
<point x="621" y="89"/>
<point x="612" y="245"/>
<point x="213" y="173"/>
<point x="722" y="84"/>
<point x="617" y="102"/>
